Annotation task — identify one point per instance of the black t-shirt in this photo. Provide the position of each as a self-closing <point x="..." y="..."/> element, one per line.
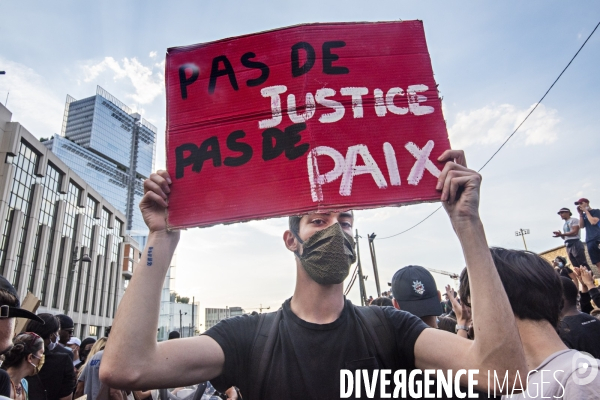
<point x="4" y="383"/>
<point x="581" y="332"/>
<point x="307" y="358"/>
<point x="56" y="377"/>
<point x="61" y="349"/>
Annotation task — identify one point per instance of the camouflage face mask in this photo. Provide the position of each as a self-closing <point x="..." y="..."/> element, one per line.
<point x="327" y="255"/>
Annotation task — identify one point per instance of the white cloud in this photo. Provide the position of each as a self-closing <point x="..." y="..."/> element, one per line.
<point x="491" y="125"/>
<point x="31" y="101"/>
<point x="152" y="54"/>
<point x="147" y="83"/>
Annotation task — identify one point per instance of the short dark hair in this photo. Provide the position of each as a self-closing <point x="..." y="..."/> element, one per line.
<point x="530" y="282"/>
<point x="570" y="291"/>
<point x="447" y="324"/>
<point x="383" y="302"/>
<point x="562" y="260"/>
<point x="24" y="345"/>
<point x="174" y="335"/>
<point x="8" y="299"/>
<point x="51" y="325"/>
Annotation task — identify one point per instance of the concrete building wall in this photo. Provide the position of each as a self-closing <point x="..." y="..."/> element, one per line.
<point x="212" y="316"/>
<point x="49" y="218"/>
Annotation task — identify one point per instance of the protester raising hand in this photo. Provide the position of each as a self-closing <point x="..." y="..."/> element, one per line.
<point x="587" y="278"/>
<point x="155" y="201"/>
<point x="583" y="288"/>
<point x="462" y="312"/>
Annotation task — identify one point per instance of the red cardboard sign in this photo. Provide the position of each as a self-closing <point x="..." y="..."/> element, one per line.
<point x="311" y="117"/>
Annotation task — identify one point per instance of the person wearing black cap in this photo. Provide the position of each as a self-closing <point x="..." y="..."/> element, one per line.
<point x="589" y="219"/>
<point x="415" y="291"/>
<point x="317" y="332"/>
<point x="66" y="329"/>
<point x="64" y="334"/>
<point x="9" y="310"/>
<point x="572" y="236"/>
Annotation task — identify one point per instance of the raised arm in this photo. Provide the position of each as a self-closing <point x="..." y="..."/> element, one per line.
<point x="133" y="359"/>
<point x="593" y="220"/>
<point x="581" y="221"/>
<point x="497" y="345"/>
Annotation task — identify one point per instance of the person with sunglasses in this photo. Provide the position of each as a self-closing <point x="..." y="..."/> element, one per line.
<point x="26" y="358"/>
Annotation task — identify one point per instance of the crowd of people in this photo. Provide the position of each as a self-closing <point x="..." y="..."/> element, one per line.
<point x="513" y="316"/>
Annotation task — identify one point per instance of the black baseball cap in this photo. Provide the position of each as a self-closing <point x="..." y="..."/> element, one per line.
<point x="416" y="292"/>
<point x="14" y="310"/>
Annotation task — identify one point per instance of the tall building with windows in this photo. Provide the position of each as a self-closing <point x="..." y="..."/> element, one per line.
<point x="49" y="219"/>
<point x="110" y="147"/>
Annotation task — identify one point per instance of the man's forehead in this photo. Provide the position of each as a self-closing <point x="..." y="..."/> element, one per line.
<point x="342" y="214"/>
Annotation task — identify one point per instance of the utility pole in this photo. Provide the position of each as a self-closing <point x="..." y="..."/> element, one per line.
<point x="361" y="279"/>
<point x="522" y="232"/>
<point x="193" y="305"/>
<point x="181" y="322"/>
<point x="374" y="260"/>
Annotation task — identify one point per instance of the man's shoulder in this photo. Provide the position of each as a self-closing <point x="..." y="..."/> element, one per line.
<point x="240" y="324"/>
<point x="586" y="321"/>
<point x="573" y="221"/>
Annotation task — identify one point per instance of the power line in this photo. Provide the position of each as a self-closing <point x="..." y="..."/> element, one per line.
<point x="511" y="135"/>
<point x="351" y="283"/>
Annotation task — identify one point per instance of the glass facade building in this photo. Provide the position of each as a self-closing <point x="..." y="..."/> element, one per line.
<point x="49" y="218"/>
<point x="112" y="148"/>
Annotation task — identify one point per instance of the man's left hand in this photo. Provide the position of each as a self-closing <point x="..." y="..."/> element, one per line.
<point x="460" y="188"/>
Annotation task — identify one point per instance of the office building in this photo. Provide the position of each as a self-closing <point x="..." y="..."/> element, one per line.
<point x="214" y="315"/>
<point x="49" y="219"/>
<point x="112" y="148"/>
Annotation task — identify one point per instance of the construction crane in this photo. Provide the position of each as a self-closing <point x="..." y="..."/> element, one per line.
<point x="260" y="309"/>
<point x="452" y="275"/>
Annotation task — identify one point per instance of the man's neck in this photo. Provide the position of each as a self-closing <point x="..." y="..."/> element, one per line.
<point x="430" y="320"/>
<point x="569" y="311"/>
<point x="315" y="303"/>
<point x="539" y="340"/>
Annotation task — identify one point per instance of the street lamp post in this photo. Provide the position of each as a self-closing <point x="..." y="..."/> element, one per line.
<point x="522" y="232"/>
<point x="84" y="258"/>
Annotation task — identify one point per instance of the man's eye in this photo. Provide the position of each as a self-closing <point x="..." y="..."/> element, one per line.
<point x="318" y="221"/>
<point x="346" y="224"/>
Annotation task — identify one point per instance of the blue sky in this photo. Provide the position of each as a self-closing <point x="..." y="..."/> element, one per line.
<point x="492" y="61"/>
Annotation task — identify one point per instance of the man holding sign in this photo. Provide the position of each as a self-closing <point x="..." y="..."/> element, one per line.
<point x="318" y="341"/>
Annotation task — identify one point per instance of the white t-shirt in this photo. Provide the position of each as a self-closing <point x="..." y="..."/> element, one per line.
<point x="568" y="227"/>
<point x="567" y="374"/>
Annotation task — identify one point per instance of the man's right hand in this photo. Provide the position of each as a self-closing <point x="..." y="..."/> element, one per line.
<point x="462" y="311"/>
<point x="557" y="234"/>
<point x="587" y="277"/>
<point x="155" y="201"/>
